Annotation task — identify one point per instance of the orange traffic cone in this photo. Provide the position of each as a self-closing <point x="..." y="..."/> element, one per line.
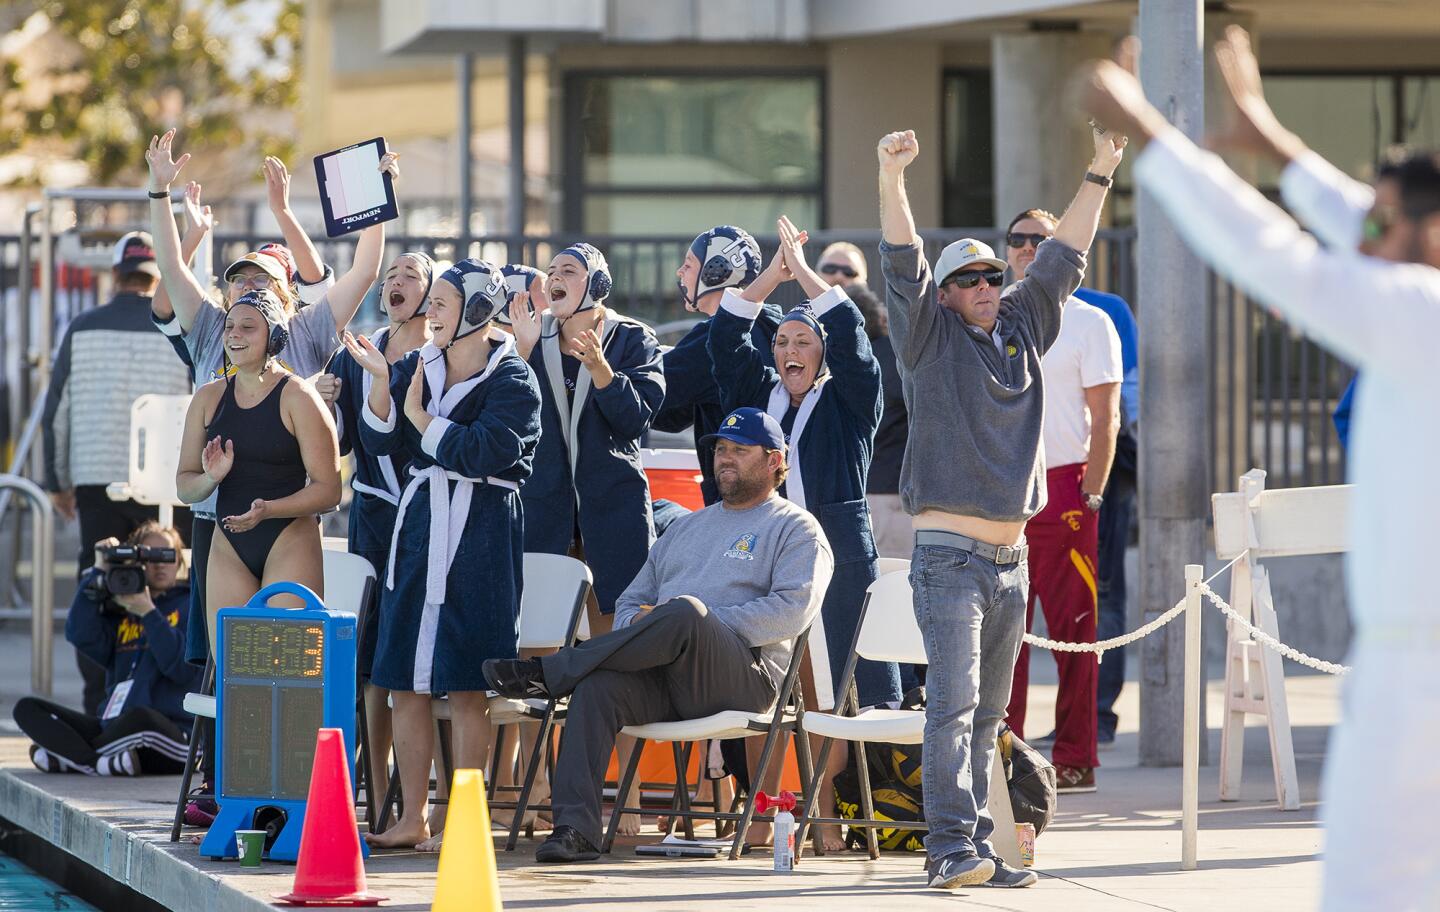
<point x="330" y="870"/>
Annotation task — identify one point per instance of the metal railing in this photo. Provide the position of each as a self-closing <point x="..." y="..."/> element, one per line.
<point x="1272" y="391"/>
<point x="42" y="580"/>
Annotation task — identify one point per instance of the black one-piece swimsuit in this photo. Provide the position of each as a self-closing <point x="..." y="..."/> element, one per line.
<point x="267" y="465"/>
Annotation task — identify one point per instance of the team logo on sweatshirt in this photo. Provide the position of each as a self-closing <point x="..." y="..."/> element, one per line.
<point x="744" y="547"/>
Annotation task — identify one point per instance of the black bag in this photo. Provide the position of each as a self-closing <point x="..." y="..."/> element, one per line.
<point x="1031" y="779"/>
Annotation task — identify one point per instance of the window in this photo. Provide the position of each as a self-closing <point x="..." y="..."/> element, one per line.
<point x="674" y="154"/>
<point x="969" y="181"/>
<point x="1352" y="118"/>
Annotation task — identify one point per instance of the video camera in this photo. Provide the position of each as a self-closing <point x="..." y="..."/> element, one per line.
<point x="125" y="572"/>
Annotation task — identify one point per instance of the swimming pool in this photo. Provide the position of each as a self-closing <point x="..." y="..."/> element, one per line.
<point x="23" y="889"/>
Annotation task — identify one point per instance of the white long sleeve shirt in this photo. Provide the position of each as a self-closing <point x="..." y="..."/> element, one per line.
<point x="1382" y="316"/>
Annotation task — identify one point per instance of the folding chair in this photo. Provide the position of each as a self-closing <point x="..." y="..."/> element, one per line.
<point x="552" y="615"/>
<point x="887" y="632"/>
<point x="349" y="587"/>
<point x="786" y="717"/>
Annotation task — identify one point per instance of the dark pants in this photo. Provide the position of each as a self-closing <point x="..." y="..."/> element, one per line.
<point x="83" y="739"/>
<point x="1062" y="540"/>
<point x="677" y="662"/>
<point x="1110" y="582"/>
<point x="102" y="518"/>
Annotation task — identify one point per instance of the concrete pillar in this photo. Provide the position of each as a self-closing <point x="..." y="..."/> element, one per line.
<point x="464" y="132"/>
<point x="1235" y="341"/>
<point x="1174" y="346"/>
<point x="515" y="97"/>
<point x="875" y="87"/>
<point x="1041" y="145"/>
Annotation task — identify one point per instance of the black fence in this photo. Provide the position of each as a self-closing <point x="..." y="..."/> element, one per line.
<point x="1272" y="392"/>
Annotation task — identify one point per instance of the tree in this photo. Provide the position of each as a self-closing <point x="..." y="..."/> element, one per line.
<point x="220" y="70"/>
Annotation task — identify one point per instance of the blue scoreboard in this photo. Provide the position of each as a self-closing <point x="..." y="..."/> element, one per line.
<point x="282" y="674"/>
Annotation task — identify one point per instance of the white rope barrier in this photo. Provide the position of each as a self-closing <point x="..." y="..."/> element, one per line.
<point x="1268" y="641"/>
<point x="1139" y="633"/>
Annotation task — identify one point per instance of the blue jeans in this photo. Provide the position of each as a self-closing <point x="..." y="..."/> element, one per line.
<point x="1110" y="587"/>
<point x="972" y="616"/>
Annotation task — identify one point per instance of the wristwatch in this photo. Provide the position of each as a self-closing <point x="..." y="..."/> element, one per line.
<point x="1100" y="179"/>
<point x="1093" y="502"/>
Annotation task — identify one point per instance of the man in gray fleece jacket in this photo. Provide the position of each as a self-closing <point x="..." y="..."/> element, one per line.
<point x="707" y="625"/>
<point x="973" y="473"/>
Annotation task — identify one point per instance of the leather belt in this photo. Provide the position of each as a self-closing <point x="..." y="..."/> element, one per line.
<point x="998" y="554"/>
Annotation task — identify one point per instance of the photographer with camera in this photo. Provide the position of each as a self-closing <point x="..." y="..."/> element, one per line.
<point x="129" y="617"/>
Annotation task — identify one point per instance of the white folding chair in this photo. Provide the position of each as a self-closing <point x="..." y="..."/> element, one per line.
<point x="884" y="565"/>
<point x="888" y="632"/>
<point x="552" y="615"/>
<point x="351" y="587"/>
<point x="774" y="724"/>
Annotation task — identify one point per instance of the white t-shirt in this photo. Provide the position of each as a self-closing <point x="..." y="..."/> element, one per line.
<point x="1085" y="354"/>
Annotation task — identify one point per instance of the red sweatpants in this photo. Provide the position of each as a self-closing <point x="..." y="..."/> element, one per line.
<point x="1063" y="553"/>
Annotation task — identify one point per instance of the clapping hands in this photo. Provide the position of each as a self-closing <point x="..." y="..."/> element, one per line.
<point x="217" y="459"/>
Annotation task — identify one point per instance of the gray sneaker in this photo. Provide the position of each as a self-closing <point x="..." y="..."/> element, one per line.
<point x="960" y="870"/>
<point x="1006" y="876"/>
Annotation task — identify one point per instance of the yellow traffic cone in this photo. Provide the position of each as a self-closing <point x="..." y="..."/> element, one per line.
<point x="467" y="880"/>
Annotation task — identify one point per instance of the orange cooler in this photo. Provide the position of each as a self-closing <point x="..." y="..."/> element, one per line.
<point x="674" y="475"/>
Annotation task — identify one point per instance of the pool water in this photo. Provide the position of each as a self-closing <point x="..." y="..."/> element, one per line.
<point x="22" y="890"/>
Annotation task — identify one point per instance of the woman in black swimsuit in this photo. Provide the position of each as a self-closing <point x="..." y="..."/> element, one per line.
<point x="257" y="436"/>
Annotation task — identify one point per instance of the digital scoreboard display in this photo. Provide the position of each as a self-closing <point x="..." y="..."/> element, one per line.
<point x="274" y="704"/>
<point x="282" y="675"/>
<point x="274" y="649"/>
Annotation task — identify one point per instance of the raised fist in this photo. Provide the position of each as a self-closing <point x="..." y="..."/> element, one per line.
<point x="897" y="150"/>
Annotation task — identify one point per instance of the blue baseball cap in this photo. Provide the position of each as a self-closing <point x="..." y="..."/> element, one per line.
<point x="750" y="427"/>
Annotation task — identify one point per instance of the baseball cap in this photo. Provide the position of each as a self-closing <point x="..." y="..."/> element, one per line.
<point x="281" y="253"/>
<point x="750" y="427"/>
<point x="962" y="253"/>
<point x="266" y="261"/>
<point x="135" y="252"/>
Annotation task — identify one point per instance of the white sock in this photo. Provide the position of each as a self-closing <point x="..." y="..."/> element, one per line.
<point x="120" y="764"/>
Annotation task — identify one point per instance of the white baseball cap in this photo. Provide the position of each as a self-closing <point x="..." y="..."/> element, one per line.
<point x="962" y="253"/>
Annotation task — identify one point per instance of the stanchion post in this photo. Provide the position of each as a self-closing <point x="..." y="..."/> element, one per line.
<point x="1190" y="772"/>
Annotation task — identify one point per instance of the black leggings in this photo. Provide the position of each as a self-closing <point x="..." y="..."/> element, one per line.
<point x="83" y="740"/>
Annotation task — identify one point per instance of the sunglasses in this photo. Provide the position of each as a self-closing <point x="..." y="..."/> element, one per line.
<point x="971" y="279"/>
<point x="1017" y="240"/>
<point x="846" y="271"/>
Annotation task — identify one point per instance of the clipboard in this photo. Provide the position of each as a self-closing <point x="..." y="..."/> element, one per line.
<point x="354" y="193"/>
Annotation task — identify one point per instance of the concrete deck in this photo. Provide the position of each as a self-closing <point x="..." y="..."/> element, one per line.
<point x="1116" y="849"/>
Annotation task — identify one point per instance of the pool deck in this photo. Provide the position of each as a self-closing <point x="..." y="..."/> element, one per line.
<point x="1116" y="849"/>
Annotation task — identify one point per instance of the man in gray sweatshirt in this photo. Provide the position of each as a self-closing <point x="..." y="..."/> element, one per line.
<point x="973" y="473"/>
<point x="707" y="625"/>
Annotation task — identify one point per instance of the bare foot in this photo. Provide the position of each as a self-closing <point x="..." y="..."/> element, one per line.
<point x="403" y="835"/>
<point x="630" y="825"/>
<point x="540" y="794"/>
<point x="831" y="837"/>
<point x="758" y="834"/>
<point x="430" y="845"/>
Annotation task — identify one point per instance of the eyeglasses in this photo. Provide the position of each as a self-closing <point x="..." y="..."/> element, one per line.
<point x="1017" y="240"/>
<point x="257" y="280"/>
<point x="846" y="271"/>
<point x="971" y="279"/>
<point x="1378" y="222"/>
